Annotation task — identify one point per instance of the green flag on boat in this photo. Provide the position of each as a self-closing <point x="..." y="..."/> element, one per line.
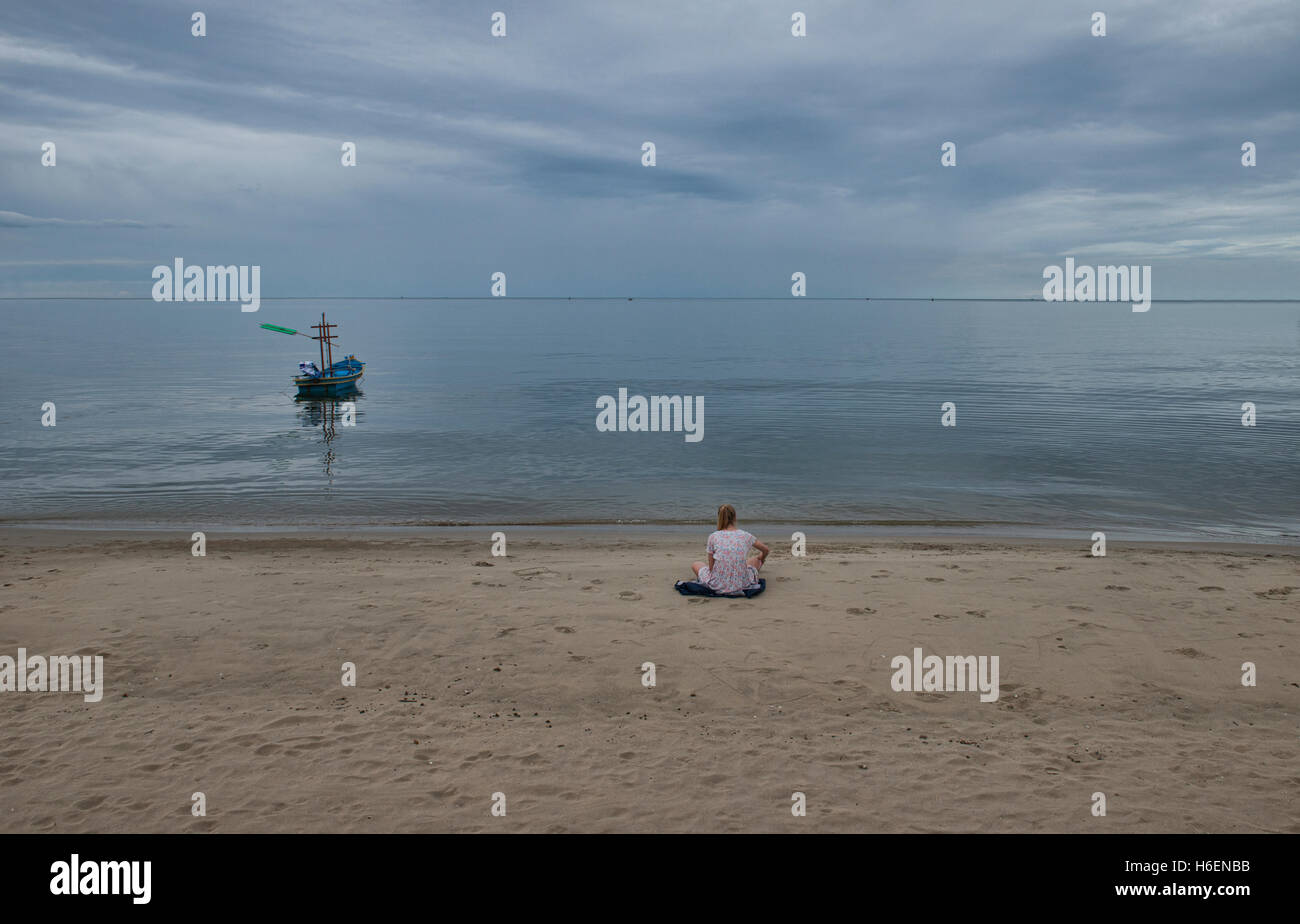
<point x="280" y="330"/>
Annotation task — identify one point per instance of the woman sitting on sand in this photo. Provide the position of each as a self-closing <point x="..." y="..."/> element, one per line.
<point x="730" y="570"/>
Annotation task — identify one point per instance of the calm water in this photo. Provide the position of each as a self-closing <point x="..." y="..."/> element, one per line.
<point x="1076" y="417"/>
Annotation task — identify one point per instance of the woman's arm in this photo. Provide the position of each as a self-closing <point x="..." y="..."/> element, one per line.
<point x="763" y="549"/>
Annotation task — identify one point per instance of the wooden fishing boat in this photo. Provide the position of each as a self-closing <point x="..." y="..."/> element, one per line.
<point x="330" y="378"/>
<point x="341" y="377"/>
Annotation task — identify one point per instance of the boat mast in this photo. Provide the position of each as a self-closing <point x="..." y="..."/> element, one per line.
<point x="326" y="343"/>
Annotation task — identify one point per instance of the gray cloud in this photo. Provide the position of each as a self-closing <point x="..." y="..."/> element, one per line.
<point x="18" y="220"/>
<point x="774" y="153"/>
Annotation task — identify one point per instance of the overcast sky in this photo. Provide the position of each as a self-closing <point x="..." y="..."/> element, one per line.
<point x="523" y="154"/>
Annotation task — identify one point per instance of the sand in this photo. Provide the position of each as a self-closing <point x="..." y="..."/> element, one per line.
<point x="522" y="675"/>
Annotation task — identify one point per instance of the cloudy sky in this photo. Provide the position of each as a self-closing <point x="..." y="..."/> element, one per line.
<point x="523" y="154"/>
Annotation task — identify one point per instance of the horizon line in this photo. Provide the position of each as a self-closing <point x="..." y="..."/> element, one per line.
<point x="634" y="298"/>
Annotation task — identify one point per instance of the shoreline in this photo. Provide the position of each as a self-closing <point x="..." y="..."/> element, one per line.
<point x="68" y="534"/>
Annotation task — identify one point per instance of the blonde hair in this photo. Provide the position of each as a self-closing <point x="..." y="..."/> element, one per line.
<point x="726" y="516"/>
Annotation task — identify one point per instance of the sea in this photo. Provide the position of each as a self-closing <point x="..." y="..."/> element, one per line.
<point x="1065" y="418"/>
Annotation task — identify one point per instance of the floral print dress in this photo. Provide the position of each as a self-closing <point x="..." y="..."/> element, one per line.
<point x="731" y="573"/>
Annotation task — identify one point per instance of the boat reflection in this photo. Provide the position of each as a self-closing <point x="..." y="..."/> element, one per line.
<point x="329" y="414"/>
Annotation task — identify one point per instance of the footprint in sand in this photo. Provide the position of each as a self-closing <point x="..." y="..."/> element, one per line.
<point x="1209" y="587"/>
<point x="1274" y="592"/>
<point x="860" y="610"/>
<point x="567" y="630"/>
<point x="977" y="613"/>
<point x="1116" y="587"/>
<point x="628" y="595"/>
<point x="935" y="580"/>
<point x="483" y="564"/>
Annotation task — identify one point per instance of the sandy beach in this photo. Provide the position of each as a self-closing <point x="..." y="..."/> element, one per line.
<point x="523" y="675"/>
